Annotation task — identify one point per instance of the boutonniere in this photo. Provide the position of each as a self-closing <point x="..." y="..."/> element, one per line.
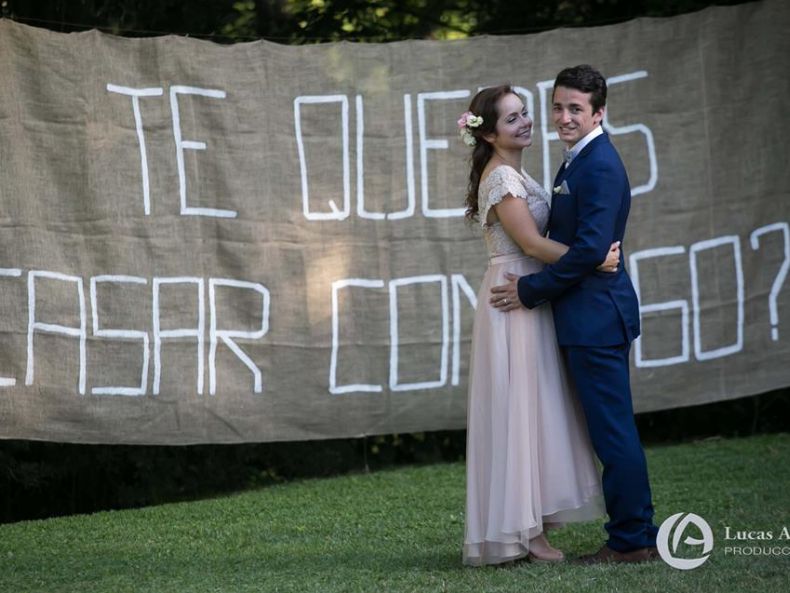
<point x="562" y="188"/>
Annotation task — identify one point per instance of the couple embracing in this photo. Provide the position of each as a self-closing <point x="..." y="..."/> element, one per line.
<point x="549" y="377"/>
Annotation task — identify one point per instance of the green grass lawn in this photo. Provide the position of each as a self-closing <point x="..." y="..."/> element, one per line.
<point x="399" y="530"/>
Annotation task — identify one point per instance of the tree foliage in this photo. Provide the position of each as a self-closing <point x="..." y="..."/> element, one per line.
<point x="309" y="21"/>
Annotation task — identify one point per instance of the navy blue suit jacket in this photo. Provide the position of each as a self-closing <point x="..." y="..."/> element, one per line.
<point x="591" y="308"/>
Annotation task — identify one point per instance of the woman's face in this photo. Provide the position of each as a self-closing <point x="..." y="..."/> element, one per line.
<point x="514" y="126"/>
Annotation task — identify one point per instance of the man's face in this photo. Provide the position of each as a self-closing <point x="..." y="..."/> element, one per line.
<point x="573" y="114"/>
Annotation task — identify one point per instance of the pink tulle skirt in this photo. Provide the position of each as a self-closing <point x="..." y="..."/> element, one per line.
<point x="529" y="458"/>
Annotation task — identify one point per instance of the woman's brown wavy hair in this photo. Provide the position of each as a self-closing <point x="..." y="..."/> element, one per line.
<point x="484" y="104"/>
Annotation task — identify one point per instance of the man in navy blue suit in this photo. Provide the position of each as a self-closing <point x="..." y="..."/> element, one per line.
<point x="596" y="314"/>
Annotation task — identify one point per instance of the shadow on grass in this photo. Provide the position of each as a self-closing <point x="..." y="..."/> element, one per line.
<point x="41" y="480"/>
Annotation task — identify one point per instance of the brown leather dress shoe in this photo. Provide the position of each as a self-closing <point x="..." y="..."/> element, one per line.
<point x="607" y="554"/>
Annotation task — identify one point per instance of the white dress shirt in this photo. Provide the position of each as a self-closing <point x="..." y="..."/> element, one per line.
<point x="571" y="153"/>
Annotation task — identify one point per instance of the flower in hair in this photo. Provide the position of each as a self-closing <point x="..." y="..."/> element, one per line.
<point x="470" y="120"/>
<point x="467" y="122"/>
<point x="467" y="137"/>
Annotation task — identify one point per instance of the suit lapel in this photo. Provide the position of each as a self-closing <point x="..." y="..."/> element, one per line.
<point x="603" y="138"/>
<point x="558" y="176"/>
<point x="564" y="172"/>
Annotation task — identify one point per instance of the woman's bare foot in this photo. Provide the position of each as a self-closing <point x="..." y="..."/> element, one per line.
<point x="540" y="550"/>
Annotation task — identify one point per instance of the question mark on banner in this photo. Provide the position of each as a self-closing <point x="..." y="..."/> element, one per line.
<point x="780" y="276"/>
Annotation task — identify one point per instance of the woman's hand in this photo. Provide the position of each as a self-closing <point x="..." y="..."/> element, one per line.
<point x="612" y="259"/>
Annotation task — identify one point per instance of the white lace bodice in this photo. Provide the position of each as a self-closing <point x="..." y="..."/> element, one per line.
<point x="501" y="181"/>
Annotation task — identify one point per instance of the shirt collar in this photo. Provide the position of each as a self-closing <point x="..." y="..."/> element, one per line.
<point x="573" y="152"/>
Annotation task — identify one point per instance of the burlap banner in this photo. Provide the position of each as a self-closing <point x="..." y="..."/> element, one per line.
<point x="221" y="244"/>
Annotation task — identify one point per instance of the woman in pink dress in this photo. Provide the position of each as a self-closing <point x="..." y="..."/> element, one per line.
<point x="530" y="465"/>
